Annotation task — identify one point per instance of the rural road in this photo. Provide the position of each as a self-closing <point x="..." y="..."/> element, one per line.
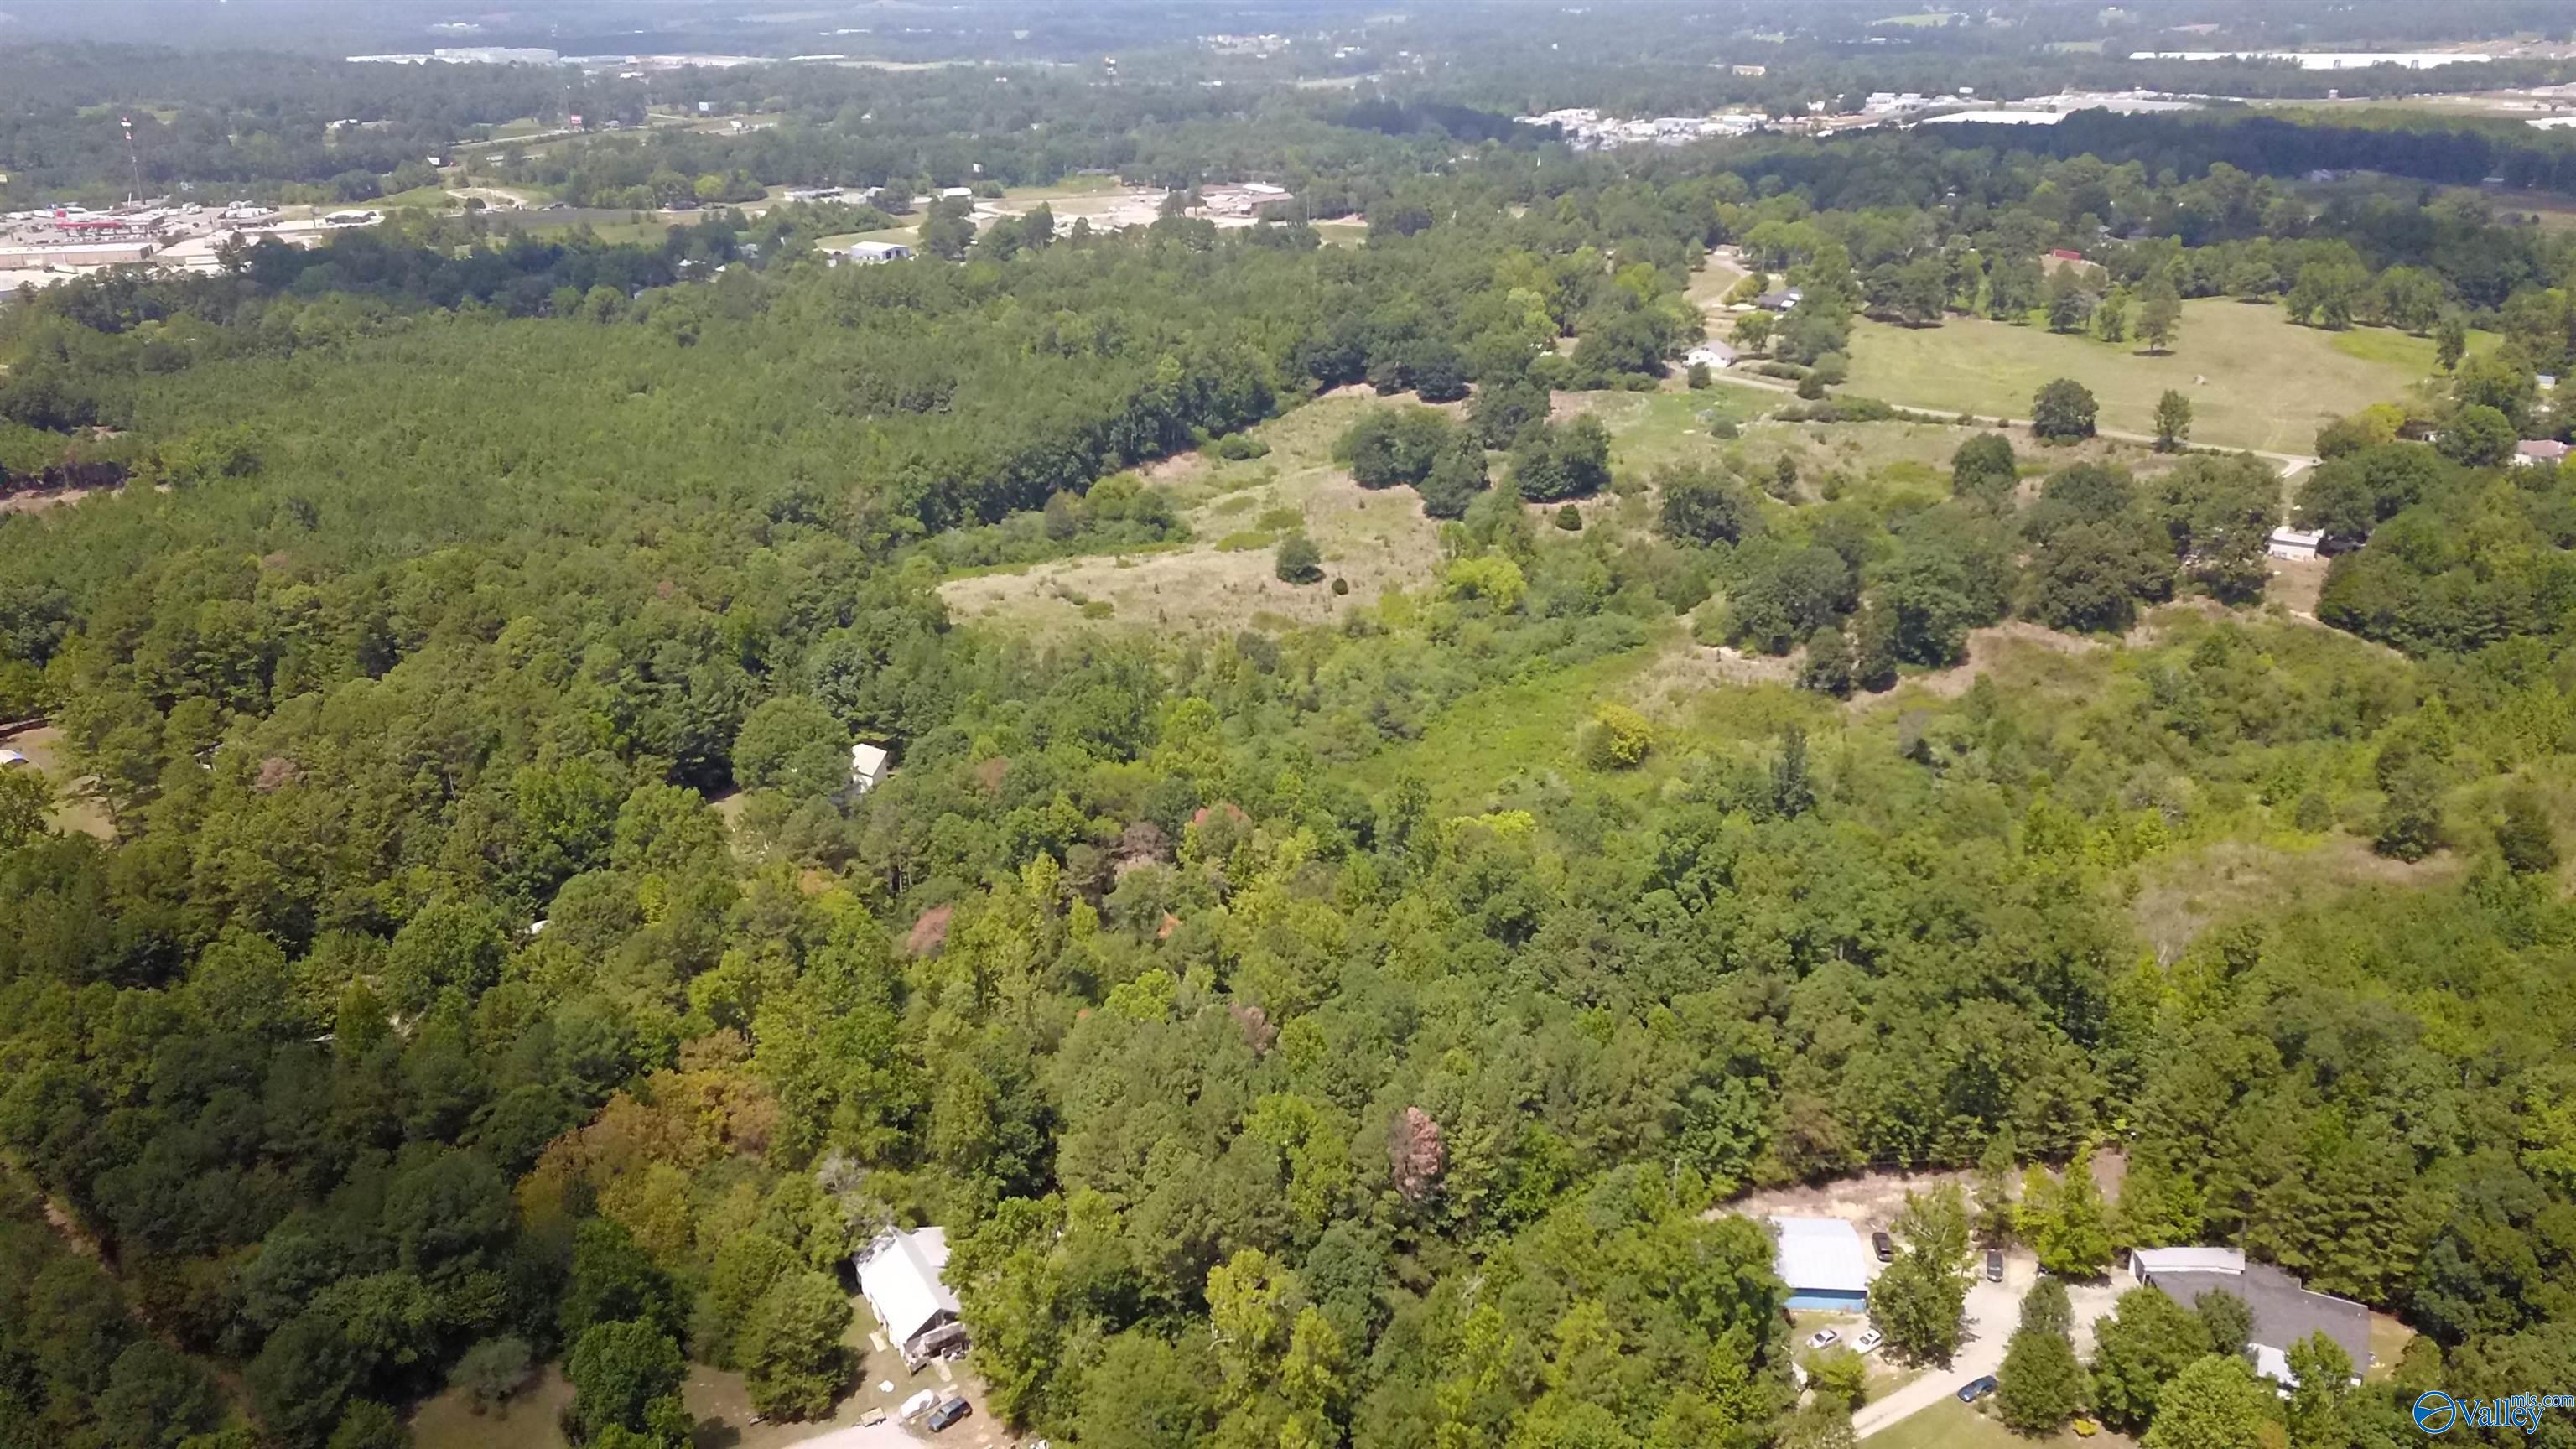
<point x="1993" y="1308"/>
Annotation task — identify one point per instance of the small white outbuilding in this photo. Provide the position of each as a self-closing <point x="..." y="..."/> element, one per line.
<point x="868" y="768"/>
<point x="2298" y="545"/>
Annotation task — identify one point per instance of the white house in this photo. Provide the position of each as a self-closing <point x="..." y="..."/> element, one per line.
<point x="873" y="253"/>
<point x="900" y="1276"/>
<point x="1713" y="355"/>
<point x="2532" y="452"/>
<point x="2299" y="545"/>
<point x="868" y="768"/>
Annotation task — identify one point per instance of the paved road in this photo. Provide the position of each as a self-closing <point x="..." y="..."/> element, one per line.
<point x="1993" y="1308"/>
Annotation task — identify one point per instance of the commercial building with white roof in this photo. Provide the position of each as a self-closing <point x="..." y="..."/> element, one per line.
<point x="1824" y="1263"/>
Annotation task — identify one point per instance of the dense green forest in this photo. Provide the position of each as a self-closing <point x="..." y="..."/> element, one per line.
<point x="491" y="965"/>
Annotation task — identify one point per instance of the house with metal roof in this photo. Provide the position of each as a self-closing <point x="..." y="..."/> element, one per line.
<point x="1824" y="1262"/>
<point x="900" y="1276"/>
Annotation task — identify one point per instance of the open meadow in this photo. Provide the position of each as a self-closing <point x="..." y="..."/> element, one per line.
<point x="1237" y="511"/>
<point x="2255" y="380"/>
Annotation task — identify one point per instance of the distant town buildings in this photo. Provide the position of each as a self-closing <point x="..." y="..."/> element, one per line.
<point x="1240" y="198"/>
<point x="467" y="55"/>
<point x="2328" y="59"/>
<point x="1586" y="129"/>
<point x="2049" y="110"/>
<point x="1991" y="117"/>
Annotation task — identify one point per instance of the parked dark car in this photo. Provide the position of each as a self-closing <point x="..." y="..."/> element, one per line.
<point x="1994" y="1265"/>
<point x="1976" y="1389"/>
<point x="955" y="1409"/>
<point x="1885" y="1245"/>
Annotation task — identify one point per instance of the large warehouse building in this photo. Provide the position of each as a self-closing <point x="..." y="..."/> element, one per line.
<point x="1824" y="1262"/>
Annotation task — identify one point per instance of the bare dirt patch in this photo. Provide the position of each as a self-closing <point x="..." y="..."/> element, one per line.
<point x="39" y="502"/>
<point x="1872" y="1200"/>
<point x="2296" y="583"/>
<point x="1178" y="468"/>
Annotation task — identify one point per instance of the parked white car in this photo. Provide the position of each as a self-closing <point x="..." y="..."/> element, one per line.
<point x="1824" y="1338"/>
<point x="1868" y="1341"/>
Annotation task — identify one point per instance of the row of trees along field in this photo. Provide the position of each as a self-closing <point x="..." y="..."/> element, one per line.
<point x="1282" y="1071"/>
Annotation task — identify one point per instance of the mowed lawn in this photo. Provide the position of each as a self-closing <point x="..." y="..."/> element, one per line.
<point x="1950" y="1424"/>
<point x="2255" y="380"/>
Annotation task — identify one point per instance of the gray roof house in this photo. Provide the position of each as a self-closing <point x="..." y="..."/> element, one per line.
<point x="872" y="253"/>
<point x="2285" y="1311"/>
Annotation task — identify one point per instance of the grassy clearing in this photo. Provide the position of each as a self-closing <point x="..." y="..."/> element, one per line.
<point x="1375" y="541"/>
<point x="1886" y="1376"/>
<point x="426" y="198"/>
<point x="533" y="1420"/>
<point x="2388" y="1339"/>
<point x="1716" y="277"/>
<point x="75" y="809"/>
<point x="1649" y="430"/>
<point x="2547" y="208"/>
<point x="1482" y="749"/>
<point x="2184" y="893"/>
<point x="1950" y="1424"/>
<point x="2268" y="384"/>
